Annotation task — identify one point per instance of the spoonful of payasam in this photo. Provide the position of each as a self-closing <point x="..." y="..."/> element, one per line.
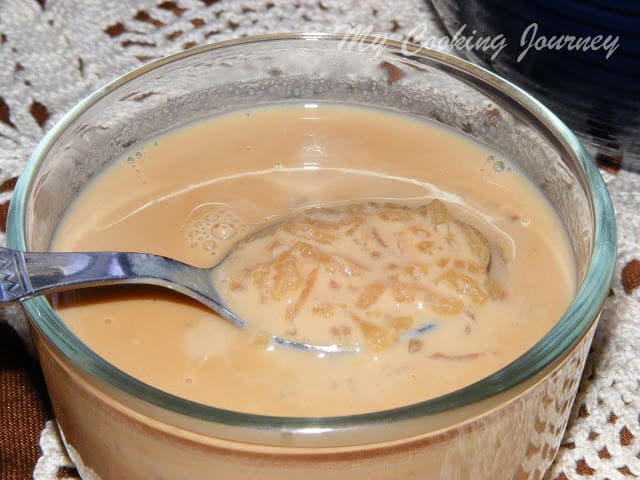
<point x="329" y="280"/>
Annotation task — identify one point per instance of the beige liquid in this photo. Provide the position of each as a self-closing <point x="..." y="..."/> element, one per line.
<point x="194" y="193"/>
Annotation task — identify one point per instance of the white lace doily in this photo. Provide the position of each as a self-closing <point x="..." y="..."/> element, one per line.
<point x="54" y="52"/>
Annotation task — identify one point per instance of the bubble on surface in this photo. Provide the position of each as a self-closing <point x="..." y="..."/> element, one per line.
<point x="499" y="166"/>
<point x="224" y="231"/>
<point x="209" y="245"/>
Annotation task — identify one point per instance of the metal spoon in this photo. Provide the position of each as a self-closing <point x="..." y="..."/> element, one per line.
<point x="26" y="274"/>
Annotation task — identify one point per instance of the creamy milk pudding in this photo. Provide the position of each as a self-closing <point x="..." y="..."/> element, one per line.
<point x="430" y="253"/>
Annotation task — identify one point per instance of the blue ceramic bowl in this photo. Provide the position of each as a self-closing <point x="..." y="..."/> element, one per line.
<point x="579" y="57"/>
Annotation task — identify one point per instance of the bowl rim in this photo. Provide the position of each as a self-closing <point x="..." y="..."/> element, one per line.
<point x="576" y="320"/>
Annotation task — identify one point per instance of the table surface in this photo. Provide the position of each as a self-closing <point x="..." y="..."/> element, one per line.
<point x="53" y="53"/>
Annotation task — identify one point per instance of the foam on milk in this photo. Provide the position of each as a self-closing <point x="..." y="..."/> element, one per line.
<point x="212" y="227"/>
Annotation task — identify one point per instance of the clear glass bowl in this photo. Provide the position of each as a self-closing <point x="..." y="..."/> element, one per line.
<point x="508" y="425"/>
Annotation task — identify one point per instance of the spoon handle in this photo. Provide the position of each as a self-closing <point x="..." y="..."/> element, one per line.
<point x="25" y="274"/>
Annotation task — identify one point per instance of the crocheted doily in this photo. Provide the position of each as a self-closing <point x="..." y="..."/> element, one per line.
<point x="53" y="53"/>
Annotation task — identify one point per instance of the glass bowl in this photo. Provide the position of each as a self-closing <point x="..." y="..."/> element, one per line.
<point x="508" y="425"/>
